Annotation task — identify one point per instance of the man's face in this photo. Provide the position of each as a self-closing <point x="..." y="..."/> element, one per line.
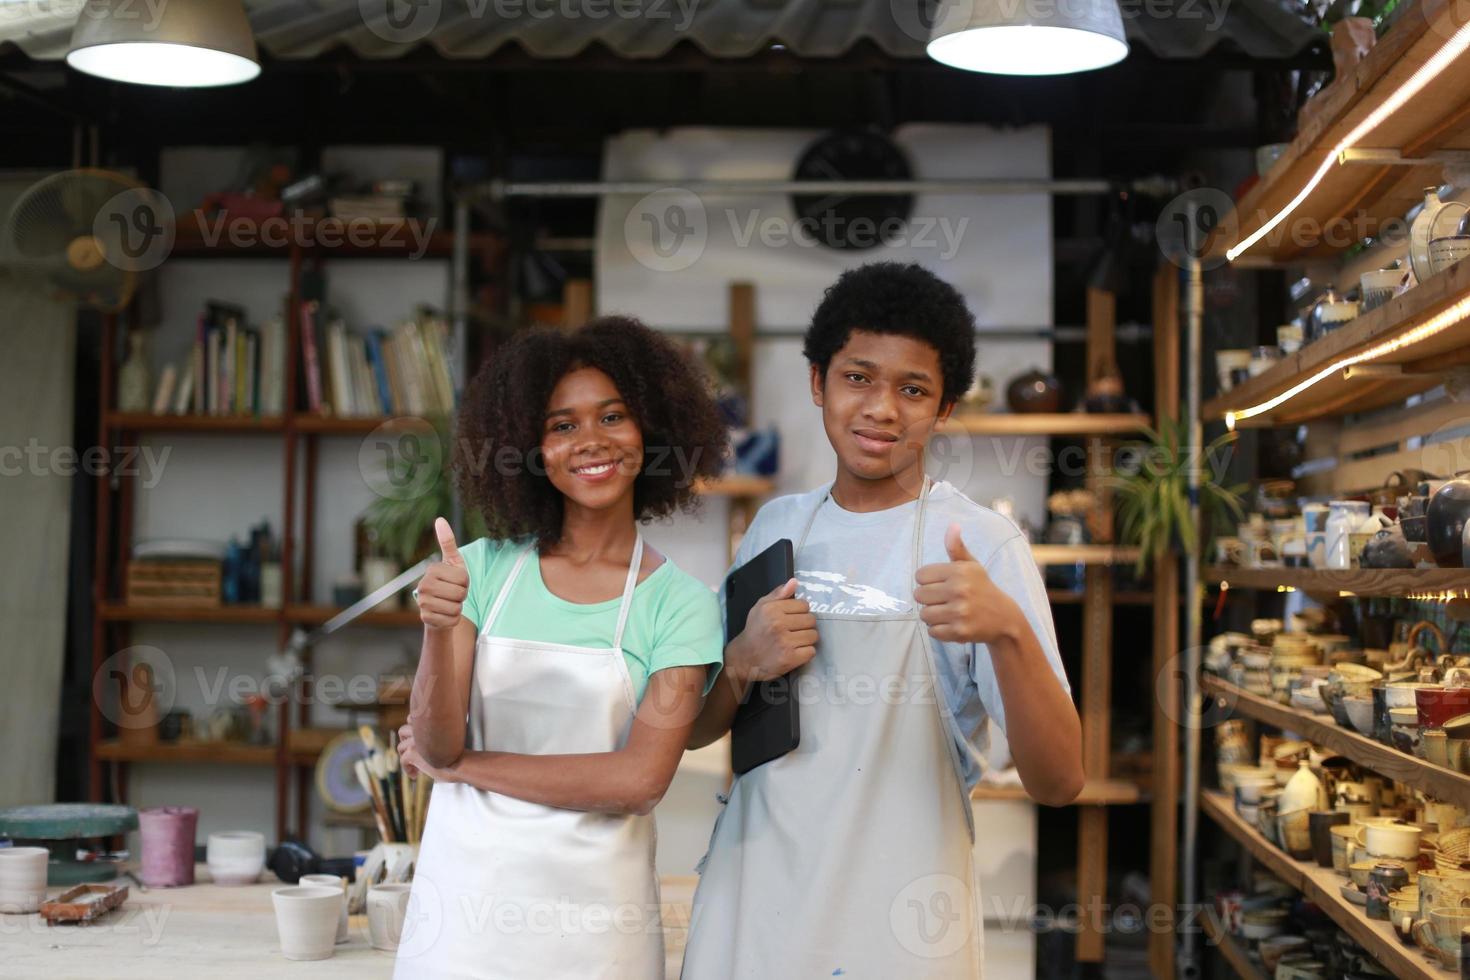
<point x="880" y="401"/>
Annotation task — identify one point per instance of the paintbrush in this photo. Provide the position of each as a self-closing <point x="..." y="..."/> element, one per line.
<point x="360" y="767"/>
<point x="379" y="768"/>
<point x="394" y="786"/>
<point x="405" y="788"/>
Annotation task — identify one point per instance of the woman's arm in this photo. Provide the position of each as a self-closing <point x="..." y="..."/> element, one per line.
<point x="441" y="685"/>
<point x="628" y="780"/>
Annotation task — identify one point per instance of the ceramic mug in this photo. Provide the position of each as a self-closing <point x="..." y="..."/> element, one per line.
<point x="1383" y="879"/>
<point x="340" y="883"/>
<point x="235" y="857"/>
<point x="306" y="920"/>
<point x="1439" y="934"/>
<point x="22" y="879"/>
<point x="387" y="906"/>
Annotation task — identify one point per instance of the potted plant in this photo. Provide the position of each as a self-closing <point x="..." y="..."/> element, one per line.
<point x="401" y="524"/>
<point x="1153" y="494"/>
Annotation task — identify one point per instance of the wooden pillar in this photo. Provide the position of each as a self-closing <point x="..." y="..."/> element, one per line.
<point x="1097" y="656"/>
<point x="1167" y="691"/>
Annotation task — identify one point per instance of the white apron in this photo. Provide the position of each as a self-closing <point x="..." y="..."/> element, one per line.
<point x="510" y="890"/>
<point x="851" y="855"/>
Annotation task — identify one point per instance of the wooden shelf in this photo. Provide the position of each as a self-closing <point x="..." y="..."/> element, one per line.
<point x="118" y="612"/>
<point x="1102" y="792"/>
<point x="1437" y="117"/>
<point x="1438" y="781"/>
<point x="333" y="425"/>
<point x="736" y="486"/>
<point x="1049" y="424"/>
<point x="1226" y="945"/>
<point x="315" y="615"/>
<point x="1420" y="366"/>
<point x="1364" y="582"/>
<point x="1321" y="887"/>
<point x="1089" y="554"/>
<point x="145" y="422"/>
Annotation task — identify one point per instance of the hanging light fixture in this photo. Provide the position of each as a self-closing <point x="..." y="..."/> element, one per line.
<point x="1028" y="37"/>
<point x="184" y="43"/>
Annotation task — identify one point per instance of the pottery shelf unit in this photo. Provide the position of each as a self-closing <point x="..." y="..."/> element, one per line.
<point x="299" y="432"/>
<point x="1416" y="366"/>
<point x="1440" y="782"/>
<point x="1385" y="169"/>
<point x="1323" y="888"/>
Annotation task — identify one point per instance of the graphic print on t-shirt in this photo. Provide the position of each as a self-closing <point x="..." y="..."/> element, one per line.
<point x="831" y="592"/>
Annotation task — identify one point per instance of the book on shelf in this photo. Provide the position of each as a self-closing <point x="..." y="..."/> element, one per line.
<point x="349" y="374"/>
<point x="231" y="368"/>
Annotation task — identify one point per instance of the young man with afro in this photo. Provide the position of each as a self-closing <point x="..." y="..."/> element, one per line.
<point x="915" y="618"/>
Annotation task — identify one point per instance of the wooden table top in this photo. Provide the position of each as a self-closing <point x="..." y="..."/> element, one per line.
<point x="219" y="933"/>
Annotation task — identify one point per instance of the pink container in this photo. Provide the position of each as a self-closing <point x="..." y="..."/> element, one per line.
<point x="167" y="834"/>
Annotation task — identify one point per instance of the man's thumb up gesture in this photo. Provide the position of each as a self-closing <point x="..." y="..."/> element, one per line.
<point x="958" y="600"/>
<point x="443" y="588"/>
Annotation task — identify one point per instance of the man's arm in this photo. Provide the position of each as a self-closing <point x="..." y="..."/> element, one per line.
<point x="961" y="604"/>
<point x="780" y="635"/>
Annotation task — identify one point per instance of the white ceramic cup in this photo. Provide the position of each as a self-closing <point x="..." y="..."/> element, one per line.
<point x="332" y="881"/>
<point x="235" y="857"/>
<point x="386" y="907"/>
<point x="306" y="920"/>
<point x="22" y="879"/>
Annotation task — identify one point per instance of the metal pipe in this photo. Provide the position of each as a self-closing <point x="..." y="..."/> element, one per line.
<point x="1194" y="306"/>
<point x="501" y="189"/>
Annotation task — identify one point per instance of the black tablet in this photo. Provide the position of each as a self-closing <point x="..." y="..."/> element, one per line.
<point x="767" y="723"/>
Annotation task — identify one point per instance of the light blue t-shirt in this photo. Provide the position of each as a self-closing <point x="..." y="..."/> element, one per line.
<point x="674" y="619"/>
<point x="862" y="563"/>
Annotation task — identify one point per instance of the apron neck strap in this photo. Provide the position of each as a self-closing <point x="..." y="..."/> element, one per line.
<point x="623" y="608"/>
<point x="916" y="547"/>
<point x="628" y="587"/>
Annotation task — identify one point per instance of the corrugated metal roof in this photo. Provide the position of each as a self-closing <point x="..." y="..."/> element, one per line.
<point x="642" y="29"/>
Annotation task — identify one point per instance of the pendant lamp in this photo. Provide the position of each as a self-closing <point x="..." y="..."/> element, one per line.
<point x="183" y="43"/>
<point x="1028" y="37"/>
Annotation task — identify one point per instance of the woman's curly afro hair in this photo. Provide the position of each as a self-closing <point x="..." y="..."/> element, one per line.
<point x="897" y="298"/>
<point x="497" y="459"/>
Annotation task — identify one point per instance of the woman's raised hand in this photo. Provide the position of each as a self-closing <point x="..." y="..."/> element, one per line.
<point x="442" y="590"/>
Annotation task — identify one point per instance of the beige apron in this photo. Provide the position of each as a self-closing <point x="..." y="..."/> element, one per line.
<point x="511" y="890"/>
<point x="851" y="855"/>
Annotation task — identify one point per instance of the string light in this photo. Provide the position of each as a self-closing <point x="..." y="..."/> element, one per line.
<point x="1436" y="324"/>
<point x="1427" y="72"/>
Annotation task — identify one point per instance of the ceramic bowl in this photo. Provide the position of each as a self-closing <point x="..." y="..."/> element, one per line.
<point x="1359" y="871"/>
<point x="235" y="857"/>
<point x="1259" y="924"/>
<point x="1457" y="727"/>
<point x="1274" y="948"/>
<point x="1437" y="705"/>
<point x="1391" y="839"/>
<point x="1403" y="694"/>
<point x="1359" y="710"/>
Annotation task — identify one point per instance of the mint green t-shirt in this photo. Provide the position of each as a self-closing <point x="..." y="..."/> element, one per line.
<point x="674" y="620"/>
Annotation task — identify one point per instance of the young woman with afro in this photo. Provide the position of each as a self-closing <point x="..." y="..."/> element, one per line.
<point x="564" y="662"/>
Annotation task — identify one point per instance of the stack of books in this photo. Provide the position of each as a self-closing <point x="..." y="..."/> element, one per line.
<point x="404" y="371"/>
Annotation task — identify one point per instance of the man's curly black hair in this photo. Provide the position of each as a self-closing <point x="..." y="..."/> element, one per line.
<point x="505" y="406"/>
<point x="897" y="298"/>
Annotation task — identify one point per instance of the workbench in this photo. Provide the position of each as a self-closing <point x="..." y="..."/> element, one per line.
<point x="212" y="932"/>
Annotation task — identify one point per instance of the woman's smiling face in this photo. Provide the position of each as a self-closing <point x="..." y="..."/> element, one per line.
<point x="592" y="446"/>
